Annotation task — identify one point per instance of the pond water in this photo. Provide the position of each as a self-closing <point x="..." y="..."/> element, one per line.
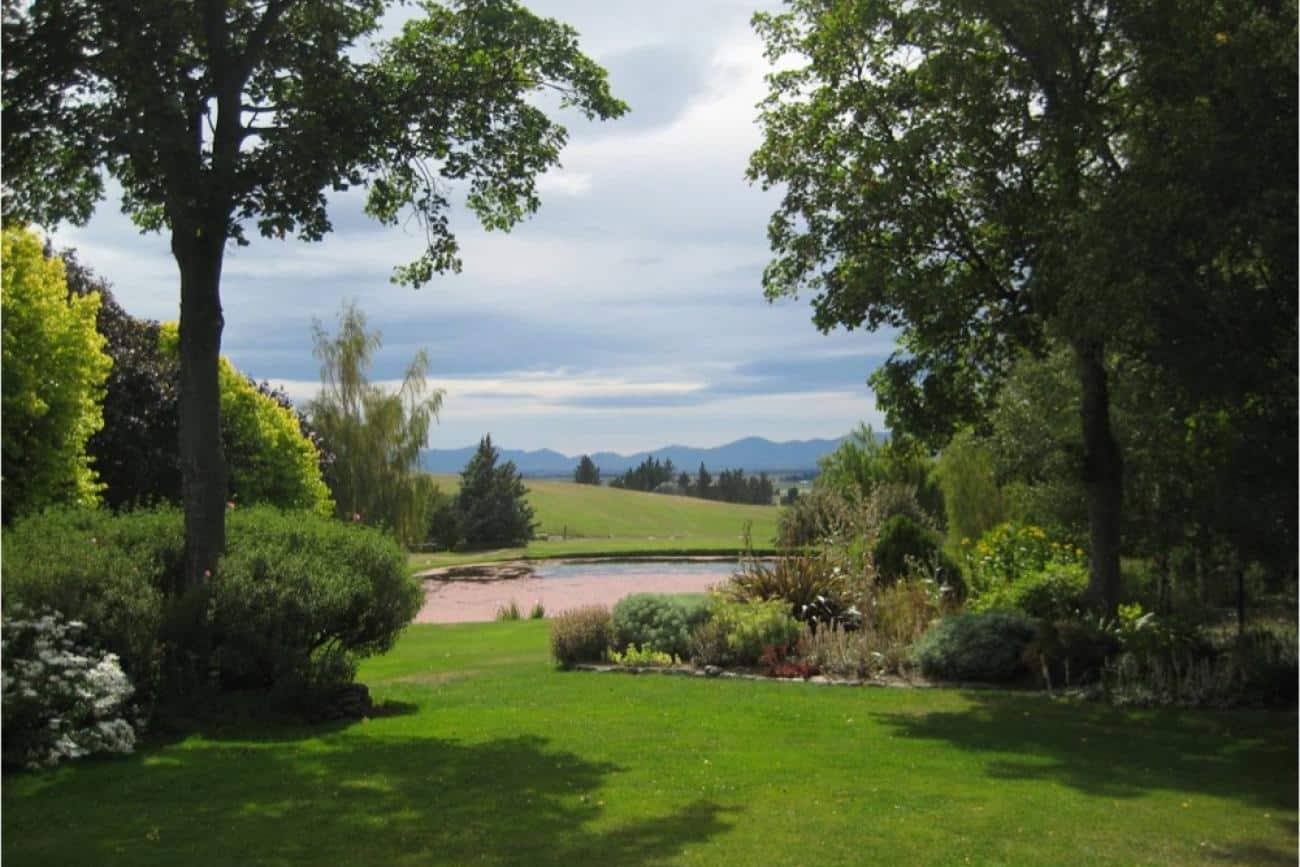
<point x="562" y="585"/>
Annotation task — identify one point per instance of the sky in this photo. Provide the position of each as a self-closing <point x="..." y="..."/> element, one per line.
<point x="627" y="314"/>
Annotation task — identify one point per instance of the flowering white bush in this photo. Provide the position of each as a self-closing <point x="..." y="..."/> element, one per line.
<point x="62" y="699"/>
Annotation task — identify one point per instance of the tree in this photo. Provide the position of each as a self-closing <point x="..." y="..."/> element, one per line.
<point x="217" y="116"/>
<point x="703" y="484"/>
<point x="972" y="498"/>
<point x="376" y="434"/>
<point x="491" y="505"/>
<point x="966" y="172"/>
<point x="587" y="473"/>
<point x="53" y="384"/>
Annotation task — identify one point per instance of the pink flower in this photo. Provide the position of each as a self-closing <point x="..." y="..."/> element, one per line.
<point x="207" y="573"/>
<point x="230" y="504"/>
<point x="356" y="516"/>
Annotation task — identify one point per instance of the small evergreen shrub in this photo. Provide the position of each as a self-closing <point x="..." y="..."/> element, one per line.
<point x="581" y="634"/>
<point x="982" y="646"/>
<point x="902" y="542"/>
<point x="651" y="621"/>
<point x="1054" y="592"/>
<point x="63" y="699"/>
<point x="294" y="585"/>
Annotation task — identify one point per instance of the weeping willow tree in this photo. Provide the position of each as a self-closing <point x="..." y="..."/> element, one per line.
<point x="376" y="434"/>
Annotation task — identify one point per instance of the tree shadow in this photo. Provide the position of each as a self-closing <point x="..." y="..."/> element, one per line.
<point x="1243" y="755"/>
<point x="353" y="799"/>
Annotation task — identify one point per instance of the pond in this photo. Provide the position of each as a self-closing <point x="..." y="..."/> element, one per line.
<point x="566" y="584"/>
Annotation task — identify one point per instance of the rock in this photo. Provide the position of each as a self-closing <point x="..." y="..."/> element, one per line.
<point x="712" y="671"/>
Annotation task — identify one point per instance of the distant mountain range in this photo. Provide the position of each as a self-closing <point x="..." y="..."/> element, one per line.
<point x="752" y="454"/>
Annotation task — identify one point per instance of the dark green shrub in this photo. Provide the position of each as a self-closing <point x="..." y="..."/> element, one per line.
<point x="581" y="635"/>
<point x="651" y="621"/>
<point x="293" y="586"/>
<point x="904" y="545"/>
<point x="108" y="571"/>
<point x="1054" y="592"/>
<point x="984" y="646"/>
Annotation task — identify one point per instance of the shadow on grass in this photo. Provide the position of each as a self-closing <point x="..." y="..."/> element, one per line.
<point x="358" y="800"/>
<point x="1247" y="756"/>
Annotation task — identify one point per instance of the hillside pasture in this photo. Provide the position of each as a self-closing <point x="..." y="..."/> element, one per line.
<point x="577" y="520"/>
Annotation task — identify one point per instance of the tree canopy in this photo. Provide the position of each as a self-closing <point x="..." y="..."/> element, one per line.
<point x="976" y="174"/>
<point x="222" y="117"/>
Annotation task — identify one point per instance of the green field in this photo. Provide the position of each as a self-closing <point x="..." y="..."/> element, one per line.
<point x="591" y="519"/>
<point x="484" y="754"/>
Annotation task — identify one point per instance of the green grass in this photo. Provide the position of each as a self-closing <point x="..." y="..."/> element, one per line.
<point x="589" y="519"/>
<point x="487" y="755"/>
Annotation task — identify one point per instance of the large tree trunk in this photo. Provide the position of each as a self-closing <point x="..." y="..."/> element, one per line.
<point x="203" y="467"/>
<point x="1103" y="476"/>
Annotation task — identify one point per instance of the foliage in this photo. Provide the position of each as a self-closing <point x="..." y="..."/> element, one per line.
<point x="708" y="645"/>
<point x="111" y="572"/>
<point x="653" y="621"/>
<point x="1053" y="592"/>
<point x="865" y="461"/>
<point x="838" y="652"/>
<point x="538" y="611"/>
<point x="582" y="634"/>
<point x="63" y="699"/>
<point x="1056" y="144"/>
<point x="586" y="473"/>
<point x="981" y="646"/>
<point x="293" y="586"/>
<point x="376" y="435"/>
<point x="821" y="513"/>
<point x="1011" y="550"/>
<point x="645" y="476"/>
<point x="1070" y="652"/>
<point x="750" y="627"/>
<point x="54" y="372"/>
<point x="135" y="452"/>
<point x="491" y="505"/>
<point x="634" y="655"/>
<point x="509" y="611"/>
<point x="904" y="546"/>
<point x="273" y="453"/>
<point x="814" y="586"/>
<point x="972" y="500"/>
<point x="900" y="614"/>
<point x="269" y="459"/>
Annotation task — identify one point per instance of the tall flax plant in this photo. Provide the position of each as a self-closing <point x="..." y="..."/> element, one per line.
<point x="376" y="434"/>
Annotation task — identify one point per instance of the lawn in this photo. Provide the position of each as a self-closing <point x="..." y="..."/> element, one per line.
<point x="591" y="519"/>
<point x="486" y="755"/>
